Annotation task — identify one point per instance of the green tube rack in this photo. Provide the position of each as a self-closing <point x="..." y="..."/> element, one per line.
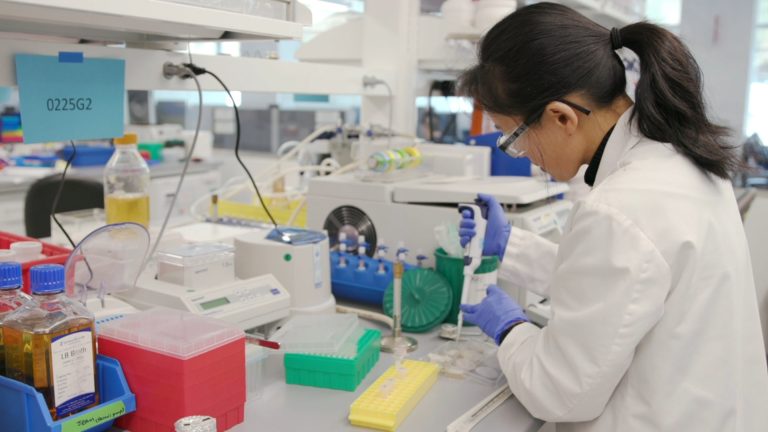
<point x="333" y="372"/>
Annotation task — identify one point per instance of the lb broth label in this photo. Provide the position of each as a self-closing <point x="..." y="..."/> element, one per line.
<point x="74" y="382"/>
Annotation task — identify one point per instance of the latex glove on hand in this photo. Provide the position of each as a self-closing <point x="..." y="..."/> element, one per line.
<point x="495" y="314"/>
<point x="496" y="231"/>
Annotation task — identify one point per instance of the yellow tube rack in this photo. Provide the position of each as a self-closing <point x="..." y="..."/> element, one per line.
<point x="281" y="210"/>
<point x="389" y="400"/>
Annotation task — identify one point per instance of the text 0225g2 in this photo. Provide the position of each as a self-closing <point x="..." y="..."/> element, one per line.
<point x="69" y="104"/>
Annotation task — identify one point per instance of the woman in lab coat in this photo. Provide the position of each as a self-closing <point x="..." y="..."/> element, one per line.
<point x="655" y="322"/>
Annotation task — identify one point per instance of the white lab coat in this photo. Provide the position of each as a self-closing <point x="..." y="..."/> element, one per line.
<point x="655" y="321"/>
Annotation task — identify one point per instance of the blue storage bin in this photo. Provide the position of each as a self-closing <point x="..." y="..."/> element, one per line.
<point x="23" y="409"/>
<point x="88" y="155"/>
<point x="501" y="163"/>
<point x="364" y="286"/>
<point x="44" y="161"/>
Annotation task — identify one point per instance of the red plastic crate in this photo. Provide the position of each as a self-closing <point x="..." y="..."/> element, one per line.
<point x="168" y="388"/>
<point x="54" y="254"/>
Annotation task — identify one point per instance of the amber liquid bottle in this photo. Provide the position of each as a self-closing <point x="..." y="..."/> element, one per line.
<point x="50" y="344"/>
<point x="11" y="298"/>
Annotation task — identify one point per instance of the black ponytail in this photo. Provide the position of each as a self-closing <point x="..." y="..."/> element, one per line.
<point x="546" y="51"/>
<point x="669" y="105"/>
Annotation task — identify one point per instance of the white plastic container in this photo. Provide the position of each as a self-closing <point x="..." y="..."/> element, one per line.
<point x="78" y="223"/>
<point x="196" y="424"/>
<point x="197" y="265"/>
<point x="255" y="356"/>
<point x="25" y="251"/>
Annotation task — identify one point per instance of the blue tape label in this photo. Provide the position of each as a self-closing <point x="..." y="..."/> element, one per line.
<point x="70" y="57"/>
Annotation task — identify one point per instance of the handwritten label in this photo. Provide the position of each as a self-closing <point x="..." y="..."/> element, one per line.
<point x="70" y="97"/>
<point x="93" y="418"/>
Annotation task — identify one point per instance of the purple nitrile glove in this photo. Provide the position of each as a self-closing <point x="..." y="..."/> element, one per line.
<point x="497" y="229"/>
<point x="495" y="314"/>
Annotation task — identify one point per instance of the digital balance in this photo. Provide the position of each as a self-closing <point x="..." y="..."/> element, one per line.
<point x="246" y="303"/>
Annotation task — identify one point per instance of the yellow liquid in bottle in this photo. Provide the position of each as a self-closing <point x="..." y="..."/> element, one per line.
<point x="28" y="359"/>
<point x="2" y="354"/>
<point x="127" y="208"/>
<point x="9" y="302"/>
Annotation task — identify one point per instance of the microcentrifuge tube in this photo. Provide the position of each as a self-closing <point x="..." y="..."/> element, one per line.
<point x="401" y="251"/>
<point x="420" y="258"/>
<point x="386" y="388"/>
<point x="361" y="254"/>
<point x="400" y="351"/>
<point x="381" y="252"/>
<point x="360" y="242"/>
<point x="342" y="250"/>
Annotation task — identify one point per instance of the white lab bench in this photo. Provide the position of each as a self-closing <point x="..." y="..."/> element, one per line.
<point x="287" y="408"/>
<point x="201" y="177"/>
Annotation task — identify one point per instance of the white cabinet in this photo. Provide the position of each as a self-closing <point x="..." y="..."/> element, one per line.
<point x="137" y="21"/>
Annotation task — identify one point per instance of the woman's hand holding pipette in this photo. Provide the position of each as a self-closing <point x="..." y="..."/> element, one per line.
<point x="495" y="314"/>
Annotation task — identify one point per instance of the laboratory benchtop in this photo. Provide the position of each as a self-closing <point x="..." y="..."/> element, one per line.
<point x="287" y="408"/>
<point x="19" y="179"/>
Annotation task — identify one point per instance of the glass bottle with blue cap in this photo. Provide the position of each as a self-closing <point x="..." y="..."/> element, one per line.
<point x="50" y="344"/>
<point x="11" y="298"/>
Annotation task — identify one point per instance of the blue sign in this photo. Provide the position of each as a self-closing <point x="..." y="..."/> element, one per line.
<point x="68" y="97"/>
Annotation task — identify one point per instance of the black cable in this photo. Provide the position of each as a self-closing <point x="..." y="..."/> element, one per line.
<point x="237" y="145"/>
<point x="56" y="206"/>
<point x="58" y="194"/>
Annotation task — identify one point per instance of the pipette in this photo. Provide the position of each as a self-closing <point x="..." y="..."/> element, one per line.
<point x="476" y="414"/>
<point x="473" y="255"/>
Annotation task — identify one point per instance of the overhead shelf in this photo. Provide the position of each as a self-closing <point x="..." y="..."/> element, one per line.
<point x="441" y="46"/>
<point x="143" y="70"/>
<point x="137" y="21"/>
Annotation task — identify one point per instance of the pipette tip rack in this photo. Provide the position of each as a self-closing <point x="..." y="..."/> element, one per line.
<point x="389" y="400"/>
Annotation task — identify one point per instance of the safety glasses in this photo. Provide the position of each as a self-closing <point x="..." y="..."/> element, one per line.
<point x="505" y="143"/>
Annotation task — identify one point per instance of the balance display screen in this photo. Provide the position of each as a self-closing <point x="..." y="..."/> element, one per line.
<point x="214" y="303"/>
